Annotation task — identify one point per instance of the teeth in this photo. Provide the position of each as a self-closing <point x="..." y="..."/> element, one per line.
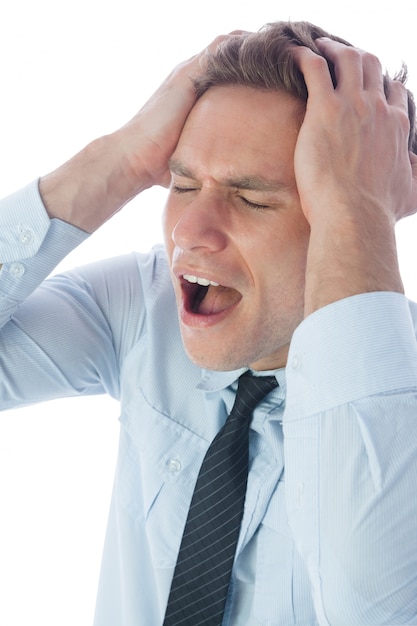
<point x="201" y="281"/>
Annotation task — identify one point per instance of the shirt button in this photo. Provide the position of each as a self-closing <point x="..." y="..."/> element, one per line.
<point x="296" y="362"/>
<point x="16" y="270"/>
<point x="25" y="236"/>
<point x="174" y="466"/>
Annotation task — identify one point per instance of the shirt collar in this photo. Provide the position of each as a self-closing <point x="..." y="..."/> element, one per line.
<point x="216" y="381"/>
<point x="212" y="381"/>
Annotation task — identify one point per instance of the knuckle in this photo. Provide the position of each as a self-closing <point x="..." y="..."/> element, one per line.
<point x="396" y="87"/>
<point x="354" y="54"/>
<point x="404" y="121"/>
<point x="218" y="40"/>
<point x="318" y="62"/>
<point x="380" y="109"/>
<point x="215" y="43"/>
<point x="372" y="59"/>
<point x="358" y="56"/>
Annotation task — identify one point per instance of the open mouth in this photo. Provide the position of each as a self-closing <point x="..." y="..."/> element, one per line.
<point x="205" y="297"/>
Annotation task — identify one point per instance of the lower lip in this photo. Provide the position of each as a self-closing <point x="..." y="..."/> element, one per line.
<point x="195" y="320"/>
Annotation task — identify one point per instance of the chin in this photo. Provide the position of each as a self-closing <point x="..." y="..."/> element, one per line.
<point x="216" y="362"/>
<point x="228" y="359"/>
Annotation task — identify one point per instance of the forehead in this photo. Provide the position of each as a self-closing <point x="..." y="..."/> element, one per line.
<point x="234" y="130"/>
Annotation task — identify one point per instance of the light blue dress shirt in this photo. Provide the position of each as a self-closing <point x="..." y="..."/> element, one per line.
<point x="330" y="541"/>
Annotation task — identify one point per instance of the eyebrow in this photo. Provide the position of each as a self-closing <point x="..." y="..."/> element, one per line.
<point x="248" y="183"/>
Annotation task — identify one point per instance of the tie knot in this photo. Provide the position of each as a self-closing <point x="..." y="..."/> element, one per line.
<point x="251" y="390"/>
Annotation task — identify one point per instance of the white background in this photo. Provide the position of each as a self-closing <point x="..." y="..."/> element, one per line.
<point x="69" y="72"/>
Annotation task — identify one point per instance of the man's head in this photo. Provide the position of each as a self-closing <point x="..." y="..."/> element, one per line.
<point x="235" y="233"/>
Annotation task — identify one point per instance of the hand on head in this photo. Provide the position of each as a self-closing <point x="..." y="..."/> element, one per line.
<point x="154" y="131"/>
<point x="353" y="148"/>
<point x="97" y="182"/>
<point x="354" y="172"/>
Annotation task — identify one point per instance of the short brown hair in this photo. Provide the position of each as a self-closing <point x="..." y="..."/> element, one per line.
<point x="263" y="60"/>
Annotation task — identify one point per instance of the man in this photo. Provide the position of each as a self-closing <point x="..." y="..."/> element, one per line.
<point x="280" y="258"/>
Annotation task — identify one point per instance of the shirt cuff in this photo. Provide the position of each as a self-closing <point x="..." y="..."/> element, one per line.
<point x="24" y="223"/>
<point x="31" y="245"/>
<point x="354" y="348"/>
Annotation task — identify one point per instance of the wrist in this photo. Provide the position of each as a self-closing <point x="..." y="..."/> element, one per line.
<point x="92" y="186"/>
<point x="349" y="257"/>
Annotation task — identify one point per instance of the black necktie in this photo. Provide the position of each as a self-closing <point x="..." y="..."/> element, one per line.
<point x="202" y="573"/>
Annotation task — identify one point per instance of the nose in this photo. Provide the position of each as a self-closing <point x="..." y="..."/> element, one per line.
<point x="201" y="224"/>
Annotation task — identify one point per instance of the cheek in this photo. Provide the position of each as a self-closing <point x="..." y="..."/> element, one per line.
<point x="282" y="263"/>
<point x="284" y="243"/>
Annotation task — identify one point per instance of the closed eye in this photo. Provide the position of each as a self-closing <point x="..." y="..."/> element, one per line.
<point x="177" y="189"/>
<point x="253" y="205"/>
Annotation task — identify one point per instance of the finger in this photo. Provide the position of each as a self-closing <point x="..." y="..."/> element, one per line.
<point x="355" y="69"/>
<point x="199" y="60"/>
<point x="373" y="77"/>
<point x="240" y="32"/>
<point x="315" y="71"/>
<point x="397" y="94"/>
<point x="212" y="47"/>
<point x="347" y="63"/>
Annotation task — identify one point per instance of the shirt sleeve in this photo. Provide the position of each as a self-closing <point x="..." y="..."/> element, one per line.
<point x="31" y="245"/>
<point x="55" y="340"/>
<point x="350" y="438"/>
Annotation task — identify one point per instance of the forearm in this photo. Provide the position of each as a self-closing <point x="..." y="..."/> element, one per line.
<point x="95" y="184"/>
<point x="350" y="255"/>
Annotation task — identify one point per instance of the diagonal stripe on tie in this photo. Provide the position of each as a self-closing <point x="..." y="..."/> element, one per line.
<point x="202" y="573"/>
